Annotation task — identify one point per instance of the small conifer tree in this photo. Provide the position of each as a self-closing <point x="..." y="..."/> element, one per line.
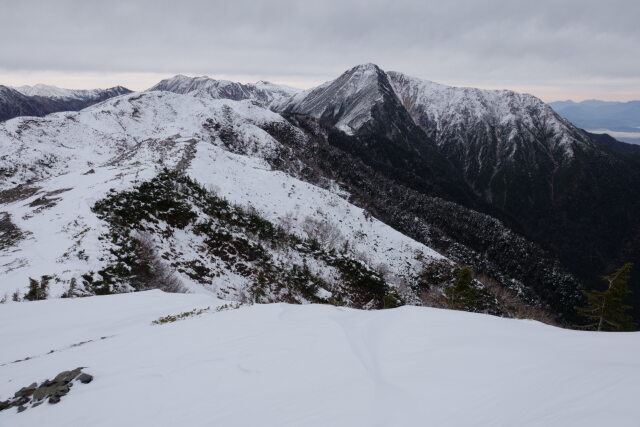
<point x="259" y="288"/>
<point x="38" y="290"/>
<point x="34" y="290"/>
<point x="463" y="295"/>
<point x="605" y="310"/>
<point x="71" y="292"/>
<point x="43" y="290"/>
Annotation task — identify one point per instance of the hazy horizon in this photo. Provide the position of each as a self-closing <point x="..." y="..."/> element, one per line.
<point x="143" y="81"/>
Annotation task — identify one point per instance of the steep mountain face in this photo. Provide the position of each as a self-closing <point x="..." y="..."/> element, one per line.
<point x="375" y="127"/>
<point x="521" y="161"/>
<point x="40" y="100"/>
<point x="347" y="102"/>
<point x="262" y="92"/>
<point x="549" y="177"/>
<point x="490" y="134"/>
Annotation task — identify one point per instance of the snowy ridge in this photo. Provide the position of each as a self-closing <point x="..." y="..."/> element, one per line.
<point x="262" y="92"/>
<point x="114" y="145"/>
<point x="64" y="142"/>
<point x="448" y="109"/>
<point x="48" y="91"/>
<point x="312" y="365"/>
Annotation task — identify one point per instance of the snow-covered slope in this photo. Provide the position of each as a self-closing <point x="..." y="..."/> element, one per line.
<point x="277" y="365"/>
<point x="262" y="92"/>
<point x="59" y="166"/>
<point x="73" y="141"/>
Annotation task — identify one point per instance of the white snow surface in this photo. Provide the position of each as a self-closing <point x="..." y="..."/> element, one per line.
<point x="311" y="365"/>
<point x="124" y="141"/>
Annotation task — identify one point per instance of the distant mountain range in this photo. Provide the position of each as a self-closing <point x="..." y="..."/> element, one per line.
<point x="494" y="180"/>
<point x="621" y="120"/>
<point x="40" y="100"/>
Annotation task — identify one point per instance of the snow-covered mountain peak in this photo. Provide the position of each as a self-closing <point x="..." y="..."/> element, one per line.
<point x="347" y="101"/>
<point x="366" y="67"/>
<point x="262" y="92"/>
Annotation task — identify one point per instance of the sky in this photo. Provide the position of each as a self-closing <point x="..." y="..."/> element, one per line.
<point x="554" y="49"/>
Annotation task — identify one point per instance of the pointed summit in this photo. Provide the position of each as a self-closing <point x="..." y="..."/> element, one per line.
<point x="346" y="102"/>
<point x="367" y="66"/>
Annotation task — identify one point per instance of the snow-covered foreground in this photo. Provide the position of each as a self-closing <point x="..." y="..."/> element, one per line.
<point x="286" y="365"/>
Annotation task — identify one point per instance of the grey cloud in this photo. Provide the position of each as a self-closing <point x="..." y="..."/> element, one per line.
<point x="487" y="42"/>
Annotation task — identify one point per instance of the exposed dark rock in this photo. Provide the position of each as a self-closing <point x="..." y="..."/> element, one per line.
<point x="26" y="391"/>
<point x="19" y="192"/>
<point x="85" y="378"/>
<point x="50" y="390"/>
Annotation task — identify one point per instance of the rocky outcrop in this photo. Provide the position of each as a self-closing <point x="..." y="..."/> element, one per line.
<point x="49" y="390"/>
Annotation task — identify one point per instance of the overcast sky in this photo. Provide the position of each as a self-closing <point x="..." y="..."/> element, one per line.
<point x="555" y="49"/>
